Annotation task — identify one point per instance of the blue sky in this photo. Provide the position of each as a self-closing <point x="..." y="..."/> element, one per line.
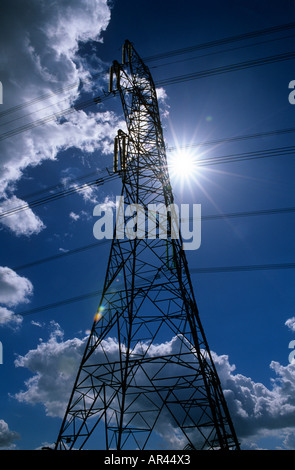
<point x="248" y="315"/>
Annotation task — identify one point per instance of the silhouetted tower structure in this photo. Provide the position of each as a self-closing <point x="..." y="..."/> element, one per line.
<point x="147" y="369"/>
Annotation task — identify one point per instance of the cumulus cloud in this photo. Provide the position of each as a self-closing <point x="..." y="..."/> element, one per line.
<point x="21" y="222"/>
<point x="7" y="437"/>
<point x="257" y="411"/>
<point x="14" y="289"/>
<point x="40" y="58"/>
<point x="8" y="318"/>
<point x="54" y="364"/>
<point x="289" y="440"/>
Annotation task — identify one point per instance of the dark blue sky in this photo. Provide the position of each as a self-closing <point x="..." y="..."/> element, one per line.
<point x="243" y="313"/>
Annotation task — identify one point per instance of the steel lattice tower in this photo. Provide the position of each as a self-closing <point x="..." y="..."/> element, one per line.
<point x="127" y="385"/>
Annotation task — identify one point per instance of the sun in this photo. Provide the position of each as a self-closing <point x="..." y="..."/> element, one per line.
<point x="183" y="165"/>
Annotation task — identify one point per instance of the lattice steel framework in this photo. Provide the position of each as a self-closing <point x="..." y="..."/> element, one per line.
<point x="147" y="369"/>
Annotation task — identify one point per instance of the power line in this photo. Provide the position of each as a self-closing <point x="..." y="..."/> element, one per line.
<point x="234" y="138"/>
<point x="165" y="64"/>
<point x="69" y="182"/>
<point x="76" y="84"/>
<point x="231" y="215"/>
<point x="255" y="267"/>
<point x="238" y="157"/>
<point x="49" y="95"/>
<point x="218" y="42"/>
<point x="163" y="82"/>
<point x="172" y="149"/>
<point x="32" y="112"/>
<point x="60" y="303"/>
<point x="215" y="269"/>
<point x="61" y="194"/>
<point x="57" y="115"/>
<point x="61" y="255"/>
<point x="164" y="55"/>
<point x="283" y="151"/>
<point x="226" y="69"/>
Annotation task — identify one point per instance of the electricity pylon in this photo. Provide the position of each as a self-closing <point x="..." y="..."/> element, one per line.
<point x="147" y="371"/>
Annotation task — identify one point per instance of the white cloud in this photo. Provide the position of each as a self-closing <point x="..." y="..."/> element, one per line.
<point x="89" y="193"/>
<point x="290" y="323"/>
<point x="163" y="104"/>
<point x="7" y="437"/>
<point x="257" y="411"/>
<point x="54" y="364"/>
<point x="39" y="57"/>
<point x="63" y="250"/>
<point x="8" y="318"/>
<point x="36" y="323"/>
<point x="22" y="222"/>
<point x="161" y="94"/>
<point x="14" y="289"/>
<point x="74" y="216"/>
<point x="289" y="440"/>
<point x="108" y="203"/>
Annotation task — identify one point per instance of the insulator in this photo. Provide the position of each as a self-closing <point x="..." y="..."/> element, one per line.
<point x="118" y="78"/>
<point x="122" y="143"/>
<point x="124" y="152"/>
<point x="127" y="47"/>
<point x="115" y="164"/>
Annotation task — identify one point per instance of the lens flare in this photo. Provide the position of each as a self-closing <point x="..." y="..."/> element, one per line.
<point x="99" y="314"/>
